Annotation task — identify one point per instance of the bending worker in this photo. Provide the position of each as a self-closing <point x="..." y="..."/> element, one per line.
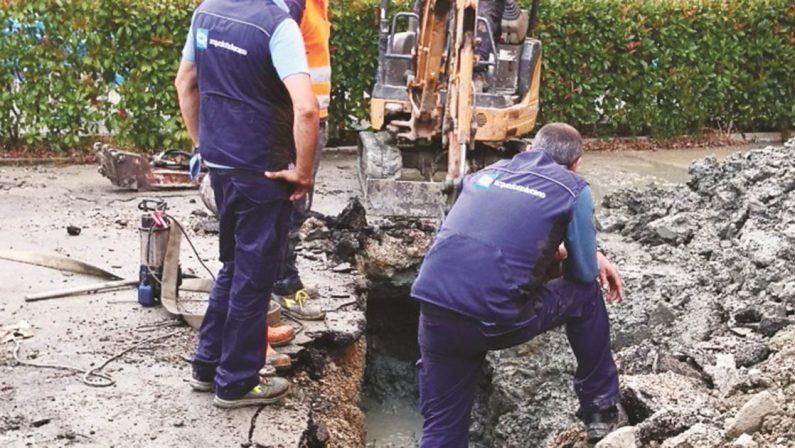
<point x="482" y="285"/>
<point x="248" y="105"/>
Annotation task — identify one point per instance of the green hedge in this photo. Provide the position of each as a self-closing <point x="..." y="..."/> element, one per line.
<point x="658" y="67"/>
<point x="63" y="61"/>
<point x="667" y="67"/>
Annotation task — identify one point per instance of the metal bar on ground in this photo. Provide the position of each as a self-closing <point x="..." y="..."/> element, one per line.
<point x="96" y="287"/>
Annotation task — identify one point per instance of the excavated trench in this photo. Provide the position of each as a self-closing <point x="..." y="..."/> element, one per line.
<point x="525" y="395"/>
<point x="389" y="392"/>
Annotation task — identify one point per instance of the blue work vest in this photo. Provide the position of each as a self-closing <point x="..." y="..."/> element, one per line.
<point x="499" y="239"/>
<point x="245" y="113"/>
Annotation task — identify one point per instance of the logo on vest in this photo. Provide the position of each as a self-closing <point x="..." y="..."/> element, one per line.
<point x="228" y="46"/>
<point x="520" y="189"/>
<point x="202" y="36"/>
<point x="485" y="180"/>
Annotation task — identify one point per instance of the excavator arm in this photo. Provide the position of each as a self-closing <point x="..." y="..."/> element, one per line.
<point x="460" y="94"/>
<point x="445" y="61"/>
<point x="431" y="123"/>
<point x="424" y="91"/>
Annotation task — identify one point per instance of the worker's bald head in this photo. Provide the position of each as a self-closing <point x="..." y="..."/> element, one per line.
<point x="562" y="142"/>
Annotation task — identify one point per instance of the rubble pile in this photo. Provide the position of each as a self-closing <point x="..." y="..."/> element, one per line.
<point x="713" y="283"/>
<point x="705" y="340"/>
<point x="387" y="252"/>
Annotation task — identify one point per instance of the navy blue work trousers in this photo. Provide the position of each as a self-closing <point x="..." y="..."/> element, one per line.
<point x="492" y="11"/>
<point x="453" y="347"/>
<point x="289" y="280"/>
<point x="254" y="215"/>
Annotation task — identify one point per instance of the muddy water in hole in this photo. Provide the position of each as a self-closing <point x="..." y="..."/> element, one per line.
<point x="399" y="424"/>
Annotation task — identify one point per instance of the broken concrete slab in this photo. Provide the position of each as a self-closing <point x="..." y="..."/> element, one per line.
<point x="745" y="441"/>
<point x="699" y="435"/>
<point x="724" y="373"/>
<point x="749" y="418"/>
<point x="620" y="438"/>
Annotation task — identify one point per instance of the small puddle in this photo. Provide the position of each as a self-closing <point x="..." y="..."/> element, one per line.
<point x="395" y="425"/>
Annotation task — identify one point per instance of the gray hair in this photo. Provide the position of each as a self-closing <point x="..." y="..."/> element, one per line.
<point x="562" y="142"/>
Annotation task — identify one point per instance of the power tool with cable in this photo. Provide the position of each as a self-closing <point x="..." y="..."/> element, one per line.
<point x="154" y="231"/>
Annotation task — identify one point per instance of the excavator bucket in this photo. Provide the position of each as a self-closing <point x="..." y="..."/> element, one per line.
<point x="390" y="191"/>
<point x="133" y="171"/>
<point x="403" y="198"/>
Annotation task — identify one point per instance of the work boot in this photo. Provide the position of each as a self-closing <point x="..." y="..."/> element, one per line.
<point x="269" y="390"/>
<point x="200" y="384"/>
<point x="274" y="314"/>
<point x="280" y="361"/>
<point x="313" y="291"/>
<point x="275" y="362"/>
<point x="267" y="370"/>
<point x="601" y="423"/>
<point x="279" y="336"/>
<point x="298" y="305"/>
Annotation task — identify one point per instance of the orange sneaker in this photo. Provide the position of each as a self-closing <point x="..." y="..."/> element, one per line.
<point x="281" y="335"/>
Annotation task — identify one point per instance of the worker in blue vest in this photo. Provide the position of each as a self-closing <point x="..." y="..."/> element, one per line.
<point x="483" y="285"/>
<point x="248" y="105"/>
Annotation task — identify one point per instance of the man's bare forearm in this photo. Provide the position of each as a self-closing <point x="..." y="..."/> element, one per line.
<point x="188" y="95"/>
<point x="305" y="129"/>
<point x="189" y="107"/>
<point x="306" y="113"/>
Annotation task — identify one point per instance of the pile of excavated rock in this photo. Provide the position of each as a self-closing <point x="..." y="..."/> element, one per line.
<point x="708" y="356"/>
<point x="704" y="341"/>
<point x="387" y="252"/>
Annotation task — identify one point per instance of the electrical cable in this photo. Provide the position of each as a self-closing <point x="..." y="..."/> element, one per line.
<point x="146" y="328"/>
<point x="91" y="377"/>
<point x="287" y="314"/>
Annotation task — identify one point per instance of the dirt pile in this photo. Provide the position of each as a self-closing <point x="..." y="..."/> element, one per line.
<point x="713" y="284"/>
<point x="705" y="341"/>
<point x="387" y="252"/>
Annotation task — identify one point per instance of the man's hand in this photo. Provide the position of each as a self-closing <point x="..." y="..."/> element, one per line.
<point x="609" y="278"/>
<point x="301" y="183"/>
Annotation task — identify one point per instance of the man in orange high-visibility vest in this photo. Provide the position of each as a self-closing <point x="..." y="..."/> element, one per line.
<point x="312" y="15"/>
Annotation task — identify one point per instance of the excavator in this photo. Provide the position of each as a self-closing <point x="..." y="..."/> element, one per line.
<point x="437" y="109"/>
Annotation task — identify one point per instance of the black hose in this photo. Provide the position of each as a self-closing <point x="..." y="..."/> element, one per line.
<point x="533" y="18"/>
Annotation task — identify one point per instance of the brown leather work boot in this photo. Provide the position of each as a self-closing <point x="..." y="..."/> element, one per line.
<point x="281" y="335"/>
<point x="279" y="361"/>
